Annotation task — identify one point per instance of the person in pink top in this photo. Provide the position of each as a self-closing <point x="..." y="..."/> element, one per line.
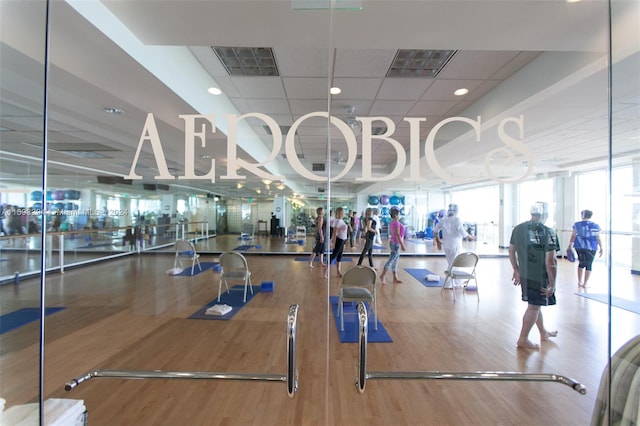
<point x="396" y="242"/>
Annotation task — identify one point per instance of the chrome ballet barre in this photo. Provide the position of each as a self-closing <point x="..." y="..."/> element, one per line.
<point x="363" y="375"/>
<point x="290" y="378"/>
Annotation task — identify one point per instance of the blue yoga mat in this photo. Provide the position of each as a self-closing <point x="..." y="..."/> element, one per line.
<point x="618" y="302"/>
<point x="244" y="247"/>
<point x="351" y="325"/>
<point x="186" y="272"/>
<point x="421" y="275"/>
<point x="233" y="299"/>
<point x="23" y="316"/>
<point x="317" y="259"/>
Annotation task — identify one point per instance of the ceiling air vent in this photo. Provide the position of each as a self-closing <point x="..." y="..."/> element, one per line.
<point x="248" y="61"/>
<point x="318" y="167"/>
<point x="419" y="63"/>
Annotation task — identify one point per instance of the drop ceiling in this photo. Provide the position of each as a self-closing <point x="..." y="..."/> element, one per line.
<point x="545" y="61"/>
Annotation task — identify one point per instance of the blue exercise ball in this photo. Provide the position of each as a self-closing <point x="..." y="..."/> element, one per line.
<point x="395" y="200"/>
<point x="374" y="200"/>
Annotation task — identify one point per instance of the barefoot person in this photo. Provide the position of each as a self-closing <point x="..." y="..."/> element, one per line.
<point x="396" y="242"/>
<point x="585" y="238"/>
<point x="532" y="253"/>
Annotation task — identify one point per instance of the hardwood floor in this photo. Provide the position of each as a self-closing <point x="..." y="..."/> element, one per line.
<point x="129" y="314"/>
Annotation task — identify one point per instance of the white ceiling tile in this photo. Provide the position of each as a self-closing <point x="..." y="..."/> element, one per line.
<point x="268" y="106"/>
<point x="358" y="88"/>
<point x="391" y="107"/>
<point x="363" y="62"/>
<point x="431" y="108"/>
<point x="403" y="88"/>
<point x="294" y="62"/>
<point x="305" y="88"/>
<point x="476" y="64"/>
<point x="259" y="87"/>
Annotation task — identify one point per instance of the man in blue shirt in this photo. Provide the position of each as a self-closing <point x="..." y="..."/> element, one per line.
<point x="585" y="238"/>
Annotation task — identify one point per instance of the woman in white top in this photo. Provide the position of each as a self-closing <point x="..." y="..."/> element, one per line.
<point x="340" y="233"/>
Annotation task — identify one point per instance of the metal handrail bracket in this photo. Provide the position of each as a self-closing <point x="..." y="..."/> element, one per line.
<point x="363" y="376"/>
<point x="290" y="378"/>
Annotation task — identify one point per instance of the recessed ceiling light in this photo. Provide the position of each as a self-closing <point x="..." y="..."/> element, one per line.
<point x="112" y="110"/>
<point x="461" y="92"/>
<point x="214" y="91"/>
<point x="335" y="90"/>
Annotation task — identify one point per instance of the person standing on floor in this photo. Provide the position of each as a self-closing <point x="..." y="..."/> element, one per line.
<point x="532" y="253"/>
<point x="376" y="218"/>
<point x="339" y="239"/>
<point x="452" y="231"/>
<point x="319" y="246"/>
<point x="585" y="238"/>
<point x="396" y="242"/>
<point x="353" y="227"/>
<point x="369" y="228"/>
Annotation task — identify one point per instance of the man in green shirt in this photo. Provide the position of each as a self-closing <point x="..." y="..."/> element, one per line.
<point x="532" y="254"/>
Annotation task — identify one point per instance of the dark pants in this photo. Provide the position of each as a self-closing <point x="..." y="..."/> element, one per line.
<point x="337" y="250"/>
<point x="368" y="249"/>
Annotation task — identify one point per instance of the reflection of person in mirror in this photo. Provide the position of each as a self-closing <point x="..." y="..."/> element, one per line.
<point x="532" y="253"/>
<point x="339" y="238"/>
<point x="369" y="226"/>
<point x="376" y="219"/>
<point x="585" y="238"/>
<point x="318" y="249"/>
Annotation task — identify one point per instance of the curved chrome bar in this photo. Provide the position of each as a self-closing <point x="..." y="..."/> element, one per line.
<point x="480" y="375"/>
<point x="290" y="378"/>
<point x="292" y="373"/>
<point x="361" y="380"/>
<point x="157" y="374"/>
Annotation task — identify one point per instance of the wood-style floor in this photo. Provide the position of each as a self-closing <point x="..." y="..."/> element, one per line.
<point x="129" y="314"/>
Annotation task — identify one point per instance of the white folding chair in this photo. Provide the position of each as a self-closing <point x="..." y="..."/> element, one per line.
<point x="233" y="266"/>
<point x="358" y="284"/>
<point x="186" y="249"/>
<point x="462" y="268"/>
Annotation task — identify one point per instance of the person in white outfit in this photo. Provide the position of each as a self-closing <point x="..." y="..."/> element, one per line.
<point x="452" y="234"/>
<point x="376" y="218"/>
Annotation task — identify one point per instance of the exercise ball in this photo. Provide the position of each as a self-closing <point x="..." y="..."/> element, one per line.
<point x="36" y="196"/>
<point x="384" y="200"/>
<point x="374" y="200"/>
<point x="385" y="211"/>
<point x="58" y="194"/>
<point x="394" y="200"/>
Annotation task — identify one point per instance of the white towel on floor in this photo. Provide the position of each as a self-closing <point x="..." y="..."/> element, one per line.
<point x="433" y="277"/>
<point x="57" y="412"/>
<point x="218" y="310"/>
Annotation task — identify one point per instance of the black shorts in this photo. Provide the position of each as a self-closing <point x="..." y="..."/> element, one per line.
<point x="585" y="258"/>
<point x="531" y="294"/>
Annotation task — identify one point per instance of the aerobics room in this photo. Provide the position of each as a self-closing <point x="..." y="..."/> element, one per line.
<point x="162" y="166"/>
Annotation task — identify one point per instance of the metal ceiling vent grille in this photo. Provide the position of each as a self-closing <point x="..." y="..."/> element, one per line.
<point x="419" y="63"/>
<point x="251" y="61"/>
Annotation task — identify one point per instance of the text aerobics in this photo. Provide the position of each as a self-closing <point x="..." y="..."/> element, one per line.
<point x="194" y="133"/>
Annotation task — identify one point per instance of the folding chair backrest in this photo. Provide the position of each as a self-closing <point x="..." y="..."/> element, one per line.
<point x="465" y="260"/>
<point x="359" y="276"/>
<point x="232" y="260"/>
<point x="185" y="247"/>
